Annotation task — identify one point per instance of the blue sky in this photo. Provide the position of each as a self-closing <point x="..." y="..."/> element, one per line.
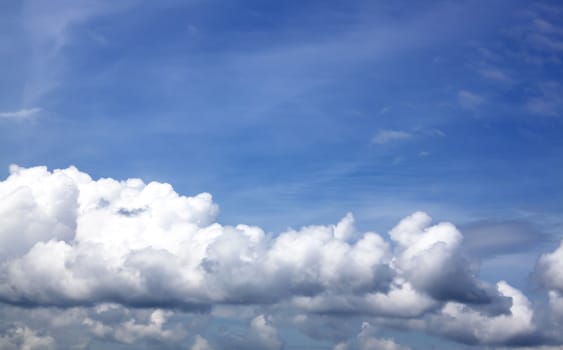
<point x="295" y="113"/>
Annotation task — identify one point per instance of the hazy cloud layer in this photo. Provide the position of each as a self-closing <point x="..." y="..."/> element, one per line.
<point x="488" y="238"/>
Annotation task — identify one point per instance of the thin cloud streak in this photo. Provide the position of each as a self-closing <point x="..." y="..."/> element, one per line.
<point x="386" y="136"/>
<point x="21" y="114"/>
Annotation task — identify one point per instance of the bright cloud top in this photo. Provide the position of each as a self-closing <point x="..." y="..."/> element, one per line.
<point x="68" y="240"/>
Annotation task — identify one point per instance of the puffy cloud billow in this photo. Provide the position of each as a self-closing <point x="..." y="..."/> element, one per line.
<point x="69" y="241"/>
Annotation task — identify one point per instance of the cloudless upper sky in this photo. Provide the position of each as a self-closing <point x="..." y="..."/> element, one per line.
<point x="296" y="112"/>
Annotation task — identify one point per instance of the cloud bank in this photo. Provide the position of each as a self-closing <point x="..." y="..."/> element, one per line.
<point x="69" y="241"/>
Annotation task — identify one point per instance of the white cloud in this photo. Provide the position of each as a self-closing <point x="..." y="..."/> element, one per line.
<point x="131" y="331"/>
<point x="367" y="340"/>
<point x="201" y="343"/>
<point x="265" y="334"/>
<point x="386" y="136"/>
<point x="260" y="334"/>
<point x="469" y="100"/>
<point x="556" y="303"/>
<point x="400" y="300"/>
<point x="24" y="338"/>
<point x="550" y="269"/>
<point x="22" y="114"/>
<point x="68" y="240"/>
<point x="459" y="322"/>
<point x="83" y="327"/>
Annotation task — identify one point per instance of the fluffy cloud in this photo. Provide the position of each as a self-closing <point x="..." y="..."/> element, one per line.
<point x="458" y="322"/>
<point x="36" y="208"/>
<point x="260" y="333"/>
<point x="23" y="338"/>
<point x="132" y="331"/>
<point x="367" y="340"/>
<point x="429" y="256"/>
<point x="550" y="269"/>
<point x="102" y="325"/>
<point x="105" y="245"/>
<point x="70" y="240"/>
<point x="201" y="343"/>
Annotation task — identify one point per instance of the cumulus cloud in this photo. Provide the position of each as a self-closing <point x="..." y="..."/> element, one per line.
<point x="70" y="240"/>
<point x="260" y="334"/>
<point x="457" y="321"/>
<point x="325" y="327"/>
<point x="132" y="331"/>
<point x="201" y="343"/>
<point x="429" y="257"/>
<point x="105" y="324"/>
<point x="367" y="340"/>
<point x="24" y="338"/>
<point x="549" y="271"/>
<point x="134" y="253"/>
<point x="264" y="334"/>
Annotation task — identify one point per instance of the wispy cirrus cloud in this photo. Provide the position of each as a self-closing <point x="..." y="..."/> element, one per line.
<point x="21" y="114"/>
<point x="387" y="136"/>
<point x="495" y="74"/>
<point x="469" y="100"/>
<point x="48" y="29"/>
<point x="548" y="101"/>
<point x="384" y="136"/>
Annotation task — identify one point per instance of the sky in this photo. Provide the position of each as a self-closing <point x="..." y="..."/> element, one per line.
<point x="342" y="175"/>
